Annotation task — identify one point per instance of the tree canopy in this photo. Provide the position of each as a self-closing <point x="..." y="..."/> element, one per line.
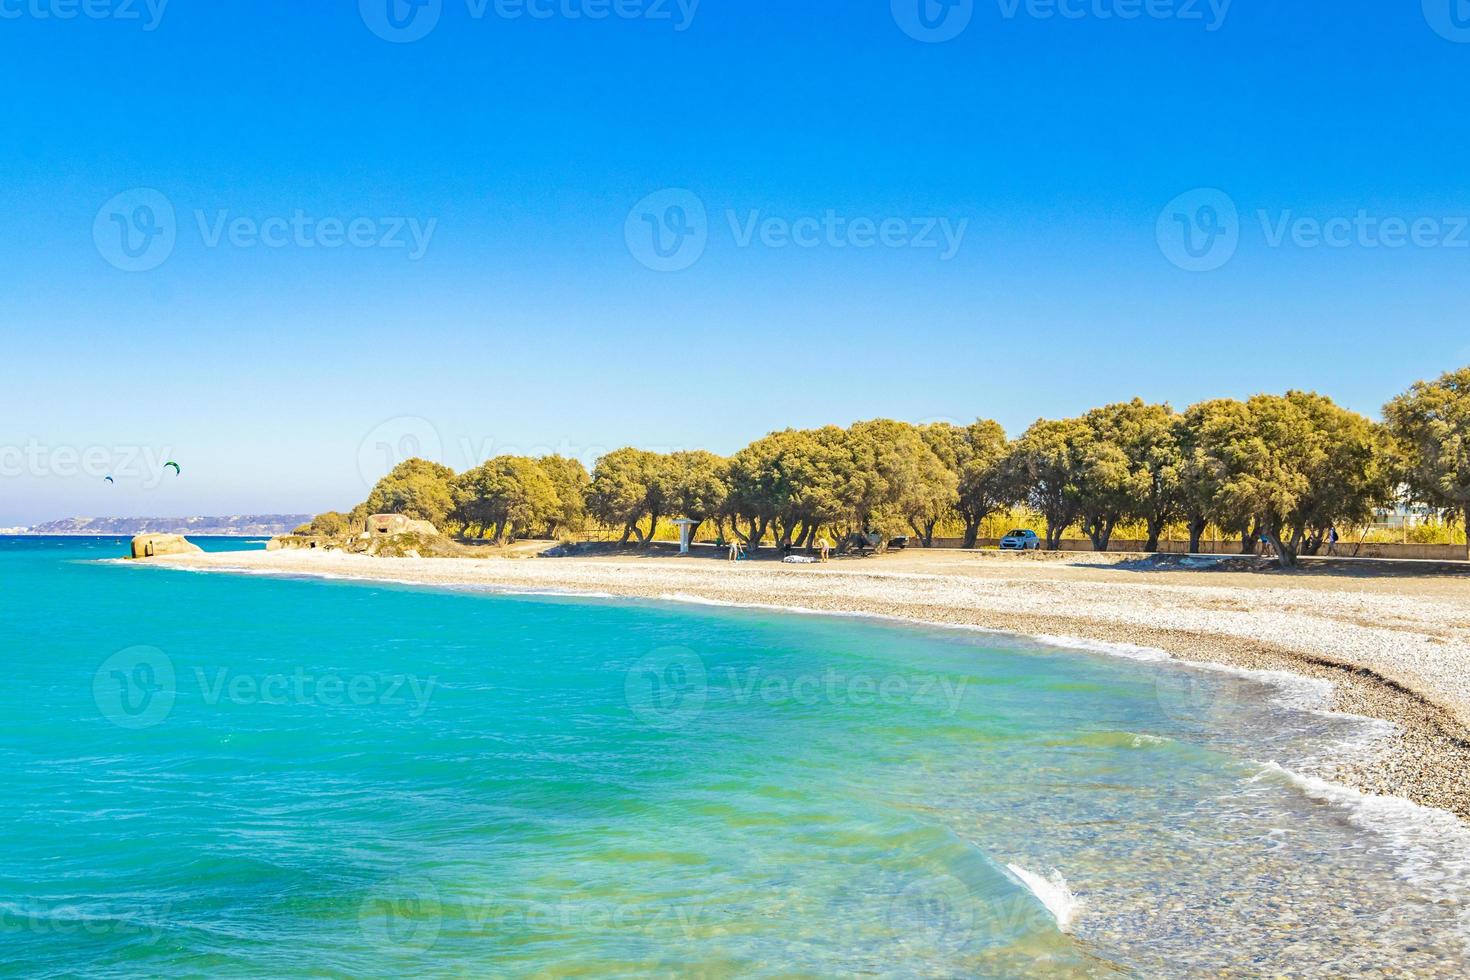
<point x="416" y="488"/>
<point x="1283" y="467"/>
<point x="1430" y="424"/>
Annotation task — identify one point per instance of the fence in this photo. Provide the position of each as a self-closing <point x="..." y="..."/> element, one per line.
<point x="1345" y="549"/>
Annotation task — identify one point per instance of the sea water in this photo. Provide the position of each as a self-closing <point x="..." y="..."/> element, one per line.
<point x="213" y="774"/>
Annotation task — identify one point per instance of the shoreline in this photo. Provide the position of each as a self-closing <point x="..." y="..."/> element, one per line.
<point x="1393" y="651"/>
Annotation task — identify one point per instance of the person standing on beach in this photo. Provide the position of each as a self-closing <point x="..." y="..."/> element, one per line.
<point x="825" y="547"/>
<point x="734" y="550"/>
<point x="1332" y="542"/>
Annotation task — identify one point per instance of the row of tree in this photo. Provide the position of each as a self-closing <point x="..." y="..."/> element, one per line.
<point x="1286" y="468"/>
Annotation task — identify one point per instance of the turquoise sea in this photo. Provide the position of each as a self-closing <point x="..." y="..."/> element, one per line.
<point x="234" y="775"/>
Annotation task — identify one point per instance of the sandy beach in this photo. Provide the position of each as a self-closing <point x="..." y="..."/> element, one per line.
<point x="1394" y="647"/>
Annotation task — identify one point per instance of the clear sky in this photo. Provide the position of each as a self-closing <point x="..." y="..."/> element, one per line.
<point x="267" y="239"/>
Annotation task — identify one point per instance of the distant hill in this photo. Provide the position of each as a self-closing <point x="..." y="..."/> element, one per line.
<point x="245" y="525"/>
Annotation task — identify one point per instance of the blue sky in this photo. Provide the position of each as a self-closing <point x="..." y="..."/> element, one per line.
<point x="275" y="361"/>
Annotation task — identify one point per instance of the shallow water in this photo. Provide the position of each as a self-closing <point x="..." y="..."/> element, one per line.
<point x="259" y="776"/>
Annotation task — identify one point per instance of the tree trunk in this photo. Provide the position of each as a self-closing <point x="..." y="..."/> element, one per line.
<point x="1155" y="528"/>
<point x="1285" y="553"/>
<point x="1100" y="532"/>
<point x="972" y="533"/>
<point x="1248" y="543"/>
<point x="652" y="531"/>
<point x="1196" y="531"/>
<point x="1054" y="529"/>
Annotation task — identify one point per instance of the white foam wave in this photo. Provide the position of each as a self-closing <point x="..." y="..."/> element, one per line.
<point x="1432" y="846"/>
<point x="1052" y="891"/>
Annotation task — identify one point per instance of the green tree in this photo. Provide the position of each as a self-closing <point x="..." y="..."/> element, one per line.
<point x="1296" y="463"/>
<point x="627" y="486"/>
<point x="1131" y="469"/>
<point x="571" y="481"/>
<point x="695" y="486"/>
<point x="509" y="495"/>
<point x="758" y="487"/>
<point x="1106" y="491"/>
<point x="331" y="524"/>
<point x="976" y="455"/>
<point x="1430" y="424"/>
<point x="1045" y="466"/>
<point x="415" y="488"/>
<point x="1201" y="473"/>
<point x="896" y="481"/>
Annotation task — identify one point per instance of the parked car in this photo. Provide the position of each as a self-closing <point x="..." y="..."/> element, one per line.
<point x="1020" y="541"/>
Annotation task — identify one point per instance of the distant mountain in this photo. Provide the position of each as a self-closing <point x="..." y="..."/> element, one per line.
<point x="246" y="525"/>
